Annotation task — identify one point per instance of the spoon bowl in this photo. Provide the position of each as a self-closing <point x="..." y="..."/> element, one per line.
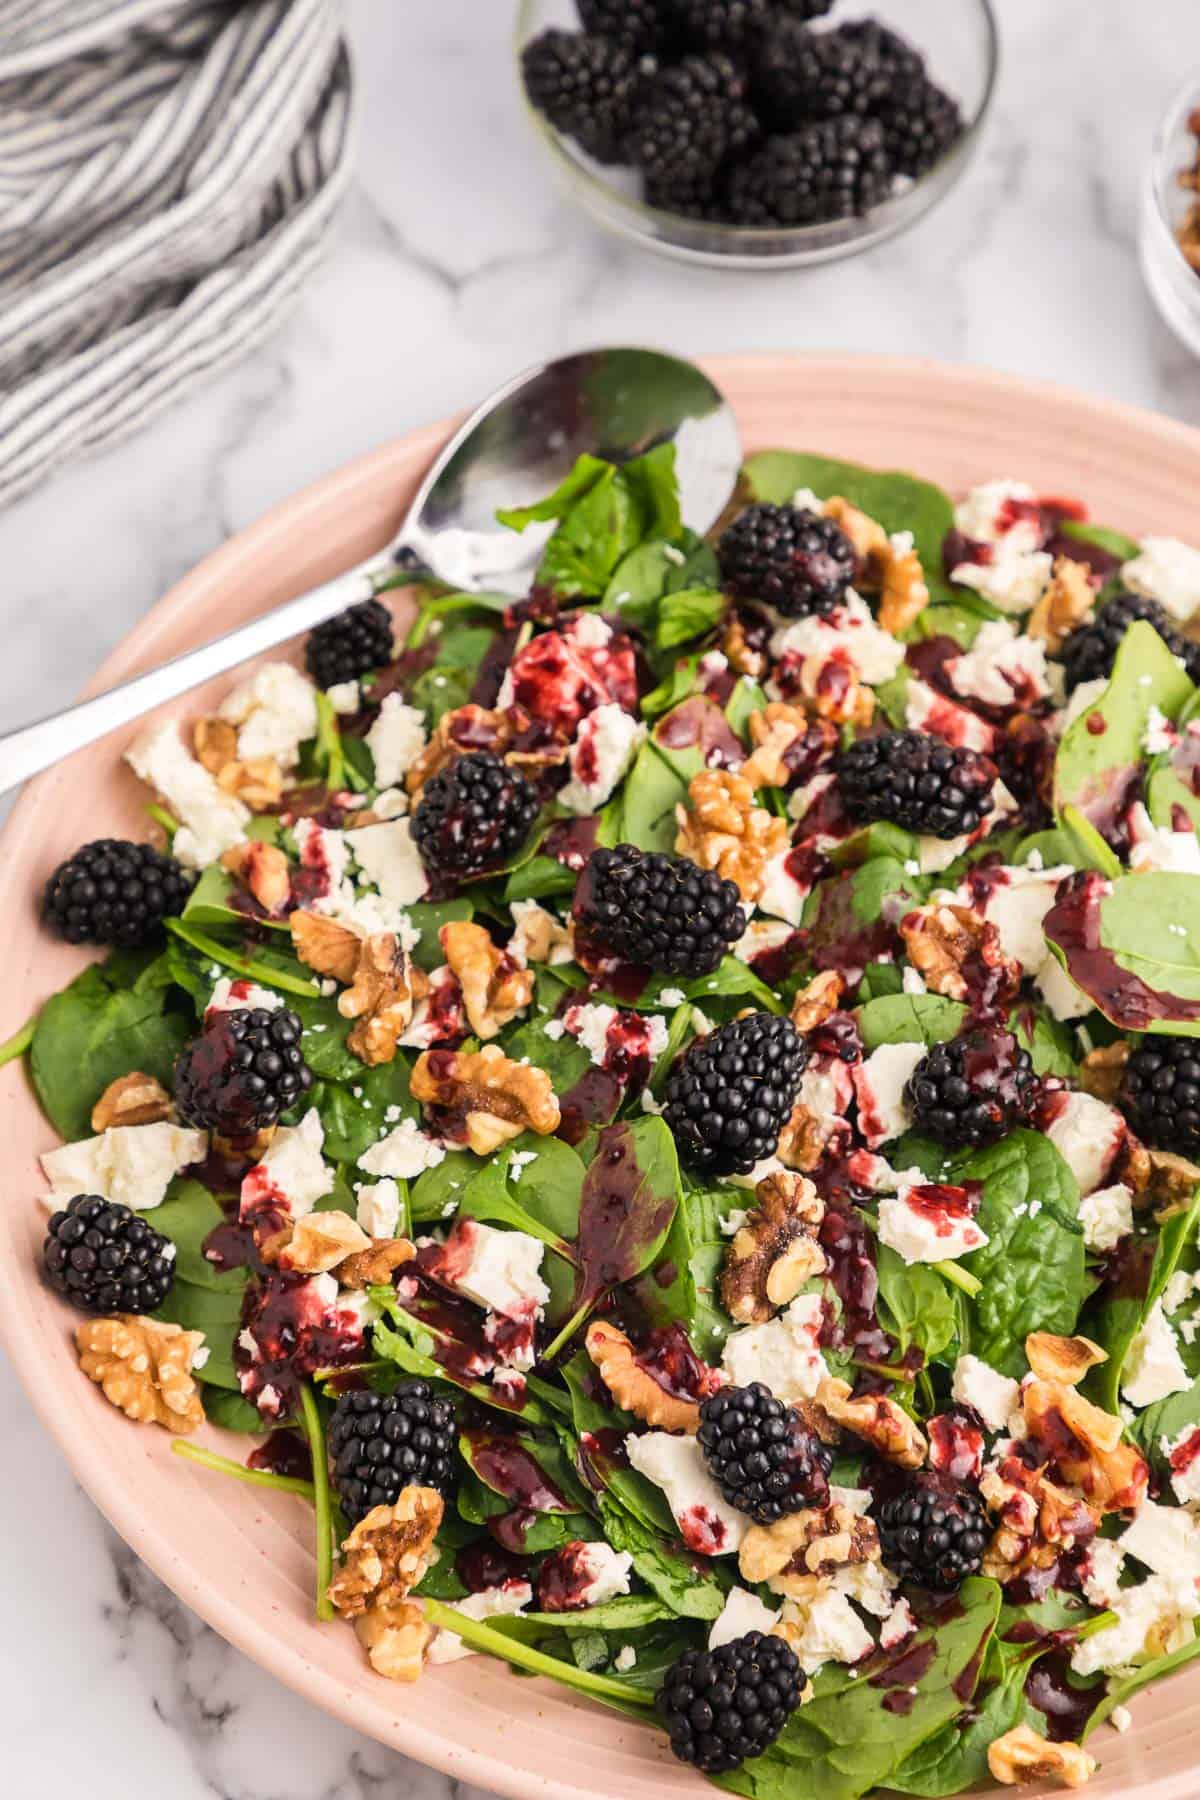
<point x="513" y="450"/>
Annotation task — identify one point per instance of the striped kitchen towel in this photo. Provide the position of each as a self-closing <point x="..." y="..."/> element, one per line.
<point x="168" y="175"/>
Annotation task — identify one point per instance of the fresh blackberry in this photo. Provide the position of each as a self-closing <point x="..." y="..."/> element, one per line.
<point x="242" y="1072"/>
<point x="973" y="1089"/>
<point x="585" y="86"/>
<point x="688" y="196"/>
<point x="106" y="1259"/>
<point x="636" y="25"/>
<point x="691" y="118"/>
<point x="1160" y="1093"/>
<point x="473" y="816"/>
<point x="920" y="124"/>
<point x="933" y="1531"/>
<point x="380" y="1444"/>
<point x="113" y="892"/>
<point x="792" y="559"/>
<point x="833" y="169"/>
<point x="350" y="645"/>
<point x="1091" y="650"/>
<point x="732" y="24"/>
<point x="902" y="60"/>
<point x="804" y="75"/>
<point x="658" y="910"/>
<point x="761" y="1454"/>
<point x="732" y="1093"/>
<point x="917" y="782"/>
<point x="724" y="1706"/>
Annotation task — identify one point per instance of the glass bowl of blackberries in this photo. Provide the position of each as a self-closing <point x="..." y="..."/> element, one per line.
<point x="758" y="133"/>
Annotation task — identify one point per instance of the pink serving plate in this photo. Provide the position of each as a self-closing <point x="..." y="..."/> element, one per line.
<point x="243" y="1558"/>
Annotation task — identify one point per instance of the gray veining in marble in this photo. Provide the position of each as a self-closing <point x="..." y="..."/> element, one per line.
<point x="458" y="262"/>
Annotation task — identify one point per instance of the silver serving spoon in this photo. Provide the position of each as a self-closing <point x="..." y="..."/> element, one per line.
<point x="512" y="451"/>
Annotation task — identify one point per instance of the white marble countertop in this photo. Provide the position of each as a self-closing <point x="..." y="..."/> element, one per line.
<point x="457" y="263"/>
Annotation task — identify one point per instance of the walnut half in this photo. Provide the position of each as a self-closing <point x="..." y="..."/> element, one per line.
<point x="134" y="1099"/>
<point x="322" y="1240"/>
<point x="387" y="985"/>
<point x="727" y="831"/>
<point x="495" y="987"/>
<point x="1021" y="1756"/>
<point x="495" y="1099"/>
<point x="776" y="1252"/>
<point x="144" y="1367"/>
<point x="943" y="940"/>
<point x="799" y="1549"/>
<point x="388" y="1553"/>
<point x="877" y="1419"/>
<point x="395" y="1639"/>
<point x="633" y="1387"/>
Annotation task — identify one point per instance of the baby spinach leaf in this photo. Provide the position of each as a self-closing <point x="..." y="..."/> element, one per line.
<point x="746" y="699"/>
<point x="273" y="968"/>
<point x="596" y="1420"/>
<point x="915" y="1305"/>
<point x="427" y="918"/>
<point x="956" y="1757"/>
<point x="187" y="1216"/>
<point x="412" y="1346"/>
<point x="846" y="1742"/>
<point x="99" y="1028"/>
<point x="1150" y="922"/>
<point x="355" y="1113"/>
<point x="436" y="1193"/>
<point x="680" y="1288"/>
<point x="673" y="689"/>
<point x="680" y="1579"/>
<point x="655" y="569"/>
<point x="1115" y="543"/>
<point x="603" y="513"/>
<point x="653" y="790"/>
<point x="218" y="1315"/>
<point x="230" y="1412"/>
<point x="629" y="1197"/>
<point x="488" y="1196"/>
<point x="1033" y="1266"/>
<point x="897" y="501"/>
<point x="689" y="614"/>
<point x="1117" y="1313"/>
<point x="909" y="1019"/>
<point x="1101" y="751"/>
<point x="1167" y="1419"/>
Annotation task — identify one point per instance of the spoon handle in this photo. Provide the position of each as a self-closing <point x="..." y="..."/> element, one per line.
<point x="30" y="749"/>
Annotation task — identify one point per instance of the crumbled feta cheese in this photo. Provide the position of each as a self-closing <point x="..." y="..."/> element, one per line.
<point x="378" y="1210"/>
<point x="1100" y="1571"/>
<point x="857" y="1500"/>
<point x="804" y="500"/>
<point x="324" y="853"/>
<point x="850" y="629"/>
<point x="403" y="1154"/>
<point x="605" y="746"/>
<point x="1160" y="735"/>
<point x="275" y="710"/>
<point x="626" y="1659"/>
<point x="935" y="854"/>
<point x="868" y="1585"/>
<point x="496" y="1269"/>
<point x="1159" y="1612"/>
<point x="607" y="1573"/>
<point x="1165" y="1538"/>
<point x="1167" y="571"/>
<point x="132" y="1165"/>
<point x="510" y="1598"/>
<point x="1001" y="669"/>
<point x="392" y="803"/>
<point x="1064" y="998"/>
<point x="826" y="1629"/>
<point x="927" y="710"/>
<point x="293" y="1174"/>
<point x="784" y="1353"/>
<point x="590" y="631"/>
<point x="1182" y="1456"/>
<point x="1016" y="903"/>
<point x="672" y="997"/>
<point x="1179" y="1289"/>
<point x="1153" y="1367"/>
<point x="395" y="740"/>
<point x="1121" y="1719"/>
<point x="992" y="1395"/>
<point x="390" y="860"/>
<point x="760" y="937"/>
<point x="538" y="936"/>
<point x="554" y="1029"/>
<point x="732" y="1223"/>
<point x="742" y="1612"/>
<point x="707" y="1523"/>
<point x="879" y="1084"/>
<point x="1087" y="1135"/>
<point x="230" y="994"/>
<point x="924" y="1223"/>
<point x="770" y="1165"/>
<point x="998" y="510"/>
<point x="1106" y="1216"/>
<point x="913" y="982"/>
<point x="1156" y="849"/>
<point x="210" y="820"/>
<point x="344" y="696"/>
<point x="826" y="1090"/>
<point x="1014" y="580"/>
<point x="369" y="915"/>
<point x="592" y="1026"/>
<point x="782" y="896"/>
<point x="899" y="1624"/>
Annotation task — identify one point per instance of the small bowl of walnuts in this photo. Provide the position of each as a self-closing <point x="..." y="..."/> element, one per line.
<point x="1170" y="228"/>
<point x="758" y="133"/>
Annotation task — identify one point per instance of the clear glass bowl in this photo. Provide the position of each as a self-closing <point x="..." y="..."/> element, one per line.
<point x="961" y="43"/>
<point x="1174" y="285"/>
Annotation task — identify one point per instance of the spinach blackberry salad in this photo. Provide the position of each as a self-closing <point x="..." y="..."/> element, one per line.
<point x="669" y="1112"/>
